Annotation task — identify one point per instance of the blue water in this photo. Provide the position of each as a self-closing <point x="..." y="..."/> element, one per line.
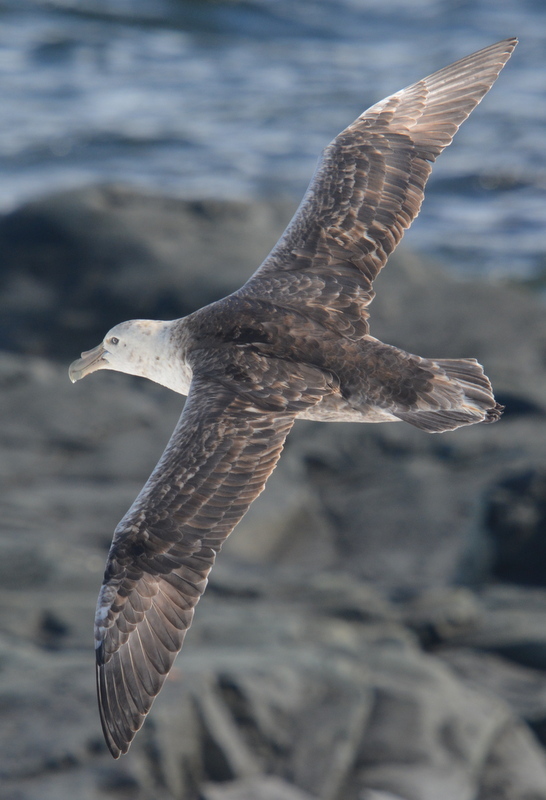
<point x="237" y="99"/>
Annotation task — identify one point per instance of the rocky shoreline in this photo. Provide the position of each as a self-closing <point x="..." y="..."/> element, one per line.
<point x="373" y="630"/>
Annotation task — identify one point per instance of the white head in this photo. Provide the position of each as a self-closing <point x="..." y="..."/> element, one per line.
<point x="138" y="347"/>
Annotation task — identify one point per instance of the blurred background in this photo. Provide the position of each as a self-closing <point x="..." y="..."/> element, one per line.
<point x="375" y="629"/>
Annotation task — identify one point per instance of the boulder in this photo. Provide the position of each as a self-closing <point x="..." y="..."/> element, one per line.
<point x="77" y="262"/>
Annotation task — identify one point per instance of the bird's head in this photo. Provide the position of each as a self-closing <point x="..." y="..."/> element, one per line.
<point x="134" y="347"/>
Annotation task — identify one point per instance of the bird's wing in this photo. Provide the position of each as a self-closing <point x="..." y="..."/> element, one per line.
<point x="215" y="464"/>
<point x="367" y="189"/>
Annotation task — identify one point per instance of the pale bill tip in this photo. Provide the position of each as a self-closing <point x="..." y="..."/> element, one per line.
<point x="90" y="361"/>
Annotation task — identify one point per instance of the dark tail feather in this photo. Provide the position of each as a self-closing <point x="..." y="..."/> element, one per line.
<point x="460" y="394"/>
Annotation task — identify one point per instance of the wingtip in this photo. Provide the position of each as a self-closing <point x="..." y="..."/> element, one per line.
<point x="509" y="47"/>
<point x="494" y="414"/>
<point x="511" y="43"/>
<point x="115" y="747"/>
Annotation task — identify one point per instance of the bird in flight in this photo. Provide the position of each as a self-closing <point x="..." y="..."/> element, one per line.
<point x="293" y="342"/>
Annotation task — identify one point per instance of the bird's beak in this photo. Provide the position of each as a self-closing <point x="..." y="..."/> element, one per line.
<point x="90" y="361"/>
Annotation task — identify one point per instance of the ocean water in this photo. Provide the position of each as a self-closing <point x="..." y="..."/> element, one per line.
<point x="237" y="99"/>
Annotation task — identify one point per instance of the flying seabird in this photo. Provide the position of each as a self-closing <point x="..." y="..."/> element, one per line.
<point x="293" y="342"/>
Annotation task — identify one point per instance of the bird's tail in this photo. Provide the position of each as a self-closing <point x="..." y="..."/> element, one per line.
<point x="460" y="394"/>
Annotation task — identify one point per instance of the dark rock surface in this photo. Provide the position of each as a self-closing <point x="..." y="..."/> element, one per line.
<point x="80" y="261"/>
<point x="516" y="520"/>
<point x="352" y="644"/>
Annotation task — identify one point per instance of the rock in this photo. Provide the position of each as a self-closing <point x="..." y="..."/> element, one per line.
<point x="44" y="699"/>
<point x="405" y="509"/>
<point x="350" y="713"/>
<point x="372" y="794"/>
<point x="262" y="788"/>
<point x="515" y="519"/>
<point x="522" y="688"/>
<point x="514" y="768"/>
<point x="512" y="625"/>
<point x="280" y="525"/>
<point x="442" y="614"/>
<point x="337" y="718"/>
<point x="304" y="673"/>
<point x="78" y="262"/>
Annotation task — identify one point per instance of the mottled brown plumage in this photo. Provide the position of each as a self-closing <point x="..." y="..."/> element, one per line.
<point x="293" y="342"/>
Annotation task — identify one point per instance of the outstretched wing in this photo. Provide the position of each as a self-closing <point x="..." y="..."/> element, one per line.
<point x="216" y="463"/>
<point x="366" y="191"/>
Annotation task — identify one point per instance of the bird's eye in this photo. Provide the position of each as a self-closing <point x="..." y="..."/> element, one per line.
<point x="114" y="340"/>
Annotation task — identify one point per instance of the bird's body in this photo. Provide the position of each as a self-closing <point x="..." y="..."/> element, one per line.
<point x="293" y="342"/>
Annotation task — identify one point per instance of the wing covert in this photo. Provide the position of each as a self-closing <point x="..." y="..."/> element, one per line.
<point x="367" y="189"/>
<point x="215" y="464"/>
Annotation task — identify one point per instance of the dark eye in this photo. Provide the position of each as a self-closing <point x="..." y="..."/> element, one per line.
<point x="114" y="340"/>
